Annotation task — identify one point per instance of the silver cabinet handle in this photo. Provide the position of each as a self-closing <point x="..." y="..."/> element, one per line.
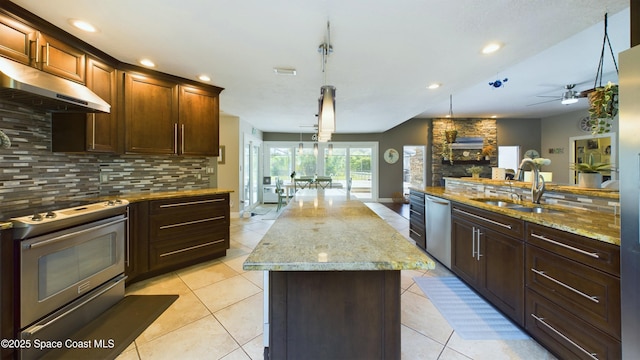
<point x="478" y="239"/>
<point x="415" y="232"/>
<point x="541" y="320"/>
<point x="93" y="134"/>
<point x="192" y="248"/>
<point x="415" y="212"/>
<point x="191" y="203"/>
<point x="175" y="138"/>
<point x="128" y="244"/>
<point x="542" y="273"/>
<point x="191" y="222"/>
<point x="572" y="248"/>
<point x="483" y="218"/>
<point x="473" y="243"/>
<point x="182" y="138"/>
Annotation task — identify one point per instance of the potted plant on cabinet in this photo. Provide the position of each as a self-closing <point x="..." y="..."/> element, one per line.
<point x="589" y="174"/>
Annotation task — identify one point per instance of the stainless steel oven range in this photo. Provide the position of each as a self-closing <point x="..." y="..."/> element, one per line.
<point x="71" y="268"/>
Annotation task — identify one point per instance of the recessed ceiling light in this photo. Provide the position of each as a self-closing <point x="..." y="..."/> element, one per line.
<point x="285" y="71"/>
<point x="433" y="86"/>
<point x="494" y="116"/>
<point x="204" y="78"/>
<point x="491" y="48"/>
<point x="83" y="25"/>
<point x="147" y="62"/>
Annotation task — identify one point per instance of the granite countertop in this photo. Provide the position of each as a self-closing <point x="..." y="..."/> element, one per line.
<point x="592" y="224"/>
<point x="328" y="230"/>
<point x="146" y="196"/>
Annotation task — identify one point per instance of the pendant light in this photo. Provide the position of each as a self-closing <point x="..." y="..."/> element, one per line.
<point x="327" y="100"/>
<point x="300" y="145"/>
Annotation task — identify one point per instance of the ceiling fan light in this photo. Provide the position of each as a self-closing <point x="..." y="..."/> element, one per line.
<point x="569" y="97"/>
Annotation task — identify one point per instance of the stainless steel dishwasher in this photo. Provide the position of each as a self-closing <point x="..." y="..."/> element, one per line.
<point x="438" y="228"/>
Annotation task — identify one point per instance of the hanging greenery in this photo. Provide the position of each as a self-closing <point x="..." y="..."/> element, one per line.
<point x="603" y="107"/>
<point x="603" y="100"/>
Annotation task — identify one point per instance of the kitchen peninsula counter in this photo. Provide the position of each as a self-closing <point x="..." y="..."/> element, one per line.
<point x="333" y="284"/>
<point x="598" y="225"/>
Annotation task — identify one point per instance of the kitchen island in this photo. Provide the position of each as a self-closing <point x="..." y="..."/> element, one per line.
<point x="333" y="279"/>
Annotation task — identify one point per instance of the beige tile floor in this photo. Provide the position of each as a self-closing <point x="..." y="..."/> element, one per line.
<point x="219" y="313"/>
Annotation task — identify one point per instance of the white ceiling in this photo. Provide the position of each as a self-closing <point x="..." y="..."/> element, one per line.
<point x="385" y="53"/>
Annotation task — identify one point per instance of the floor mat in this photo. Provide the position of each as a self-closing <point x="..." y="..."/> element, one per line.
<point x="470" y="315"/>
<point x="116" y="328"/>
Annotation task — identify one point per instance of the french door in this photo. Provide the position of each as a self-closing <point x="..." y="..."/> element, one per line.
<point x="251" y="173"/>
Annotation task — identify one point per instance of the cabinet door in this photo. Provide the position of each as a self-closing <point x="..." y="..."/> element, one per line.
<point x="503" y="273"/>
<point x="151" y="115"/>
<point x="464" y="250"/>
<point x="102" y="129"/>
<point x="15" y="39"/>
<point x="199" y="122"/>
<point x="60" y="59"/>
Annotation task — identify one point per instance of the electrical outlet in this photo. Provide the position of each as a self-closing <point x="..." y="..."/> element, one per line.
<point x="104" y="178"/>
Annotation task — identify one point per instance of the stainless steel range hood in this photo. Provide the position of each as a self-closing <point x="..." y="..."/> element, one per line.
<point x="40" y="90"/>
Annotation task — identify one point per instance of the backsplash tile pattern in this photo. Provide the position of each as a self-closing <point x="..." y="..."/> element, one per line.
<point x="32" y="175"/>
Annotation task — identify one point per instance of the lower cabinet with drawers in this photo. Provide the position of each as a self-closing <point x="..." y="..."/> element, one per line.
<point x="168" y="234"/>
<point x="417" y="218"/>
<point x="572" y="294"/>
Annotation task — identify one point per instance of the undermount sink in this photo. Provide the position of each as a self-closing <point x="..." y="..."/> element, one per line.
<point x="499" y="203"/>
<point x="535" y="210"/>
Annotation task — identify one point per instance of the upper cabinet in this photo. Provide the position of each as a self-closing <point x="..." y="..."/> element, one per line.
<point x="94" y="132"/>
<point x="57" y="58"/>
<point x="162" y="117"/>
<point x="29" y="46"/>
<point x="16" y="39"/>
<point x="150" y="115"/>
<point x="199" y="121"/>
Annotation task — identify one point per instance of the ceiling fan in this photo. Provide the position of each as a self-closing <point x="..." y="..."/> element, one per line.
<point x="569" y="96"/>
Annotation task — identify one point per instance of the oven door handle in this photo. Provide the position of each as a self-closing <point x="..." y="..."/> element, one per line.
<point x="75" y="233"/>
<point x="34" y="329"/>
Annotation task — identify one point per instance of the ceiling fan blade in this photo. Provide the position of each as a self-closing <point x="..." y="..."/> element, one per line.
<point x="544" y="102"/>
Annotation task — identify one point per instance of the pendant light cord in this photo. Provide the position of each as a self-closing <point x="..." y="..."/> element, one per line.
<point x="605" y="41"/>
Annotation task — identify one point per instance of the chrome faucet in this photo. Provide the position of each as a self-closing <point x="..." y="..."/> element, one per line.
<point x="537" y="185"/>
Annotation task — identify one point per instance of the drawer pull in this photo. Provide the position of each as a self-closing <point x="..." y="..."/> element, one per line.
<point x="541" y="320"/>
<point x="417" y="233"/>
<point x="572" y="248"/>
<point x="191" y="222"/>
<point x="483" y="218"/>
<point x="541" y="273"/>
<point x="415" y="212"/>
<point x="190" y="203"/>
<point x="192" y="248"/>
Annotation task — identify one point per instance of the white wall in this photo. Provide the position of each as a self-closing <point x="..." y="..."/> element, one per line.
<point x="555" y="133"/>
<point x="229" y="172"/>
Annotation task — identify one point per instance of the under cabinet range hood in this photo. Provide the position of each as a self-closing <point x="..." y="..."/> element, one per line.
<point x="40" y="90"/>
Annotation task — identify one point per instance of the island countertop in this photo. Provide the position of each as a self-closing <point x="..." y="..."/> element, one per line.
<point x="329" y="230"/>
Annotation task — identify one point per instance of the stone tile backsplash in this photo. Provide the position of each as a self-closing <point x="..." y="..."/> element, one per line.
<point x="31" y="175"/>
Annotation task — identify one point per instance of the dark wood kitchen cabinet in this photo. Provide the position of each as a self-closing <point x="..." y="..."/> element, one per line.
<point x="137" y="244"/>
<point x="150" y="114"/>
<point x="29" y="46"/>
<point x="416" y="218"/>
<point x="573" y="294"/>
<point x="198" y="121"/>
<point x="190" y="229"/>
<point x="94" y="132"/>
<point x="488" y="254"/>
<point x="58" y="58"/>
<point x="164" y="117"/>
<point x="8" y="276"/>
<point x="15" y="39"/>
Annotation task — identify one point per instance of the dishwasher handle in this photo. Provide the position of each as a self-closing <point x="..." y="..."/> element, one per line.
<point x="437" y="200"/>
